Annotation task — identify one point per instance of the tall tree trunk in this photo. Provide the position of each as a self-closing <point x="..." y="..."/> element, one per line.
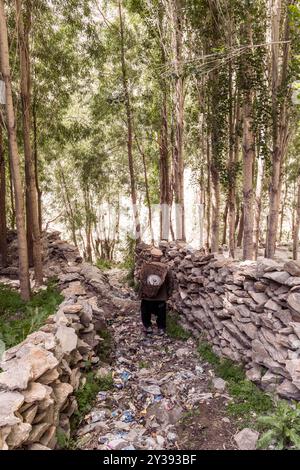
<point x="225" y="217"/>
<point x="248" y="164"/>
<point x="129" y="130"/>
<point x="231" y="169"/>
<point x="68" y="206"/>
<point x="33" y="227"/>
<point x="164" y="167"/>
<point x="241" y="228"/>
<point x="164" y="173"/>
<point x="202" y="194"/>
<point x="282" y="211"/>
<point x="14" y="156"/>
<point x="208" y="192"/>
<point x="146" y="187"/>
<point x="215" y="177"/>
<point x="297" y="223"/>
<point x="280" y="94"/>
<point x="215" y="221"/>
<point x="258" y="196"/>
<point x="88" y="226"/>
<point x="3" y="223"/>
<point x="178" y="164"/>
<point x="35" y="151"/>
<point x="12" y="198"/>
<point x="248" y="145"/>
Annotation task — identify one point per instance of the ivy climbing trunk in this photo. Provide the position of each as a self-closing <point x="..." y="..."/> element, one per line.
<point x="14" y="157"/>
<point x="164" y="173"/>
<point x="258" y="202"/>
<point x="34" y="239"/>
<point x="248" y="165"/>
<point x="280" y="115"/>
<point x="231" y="171"/>
<point x="248" y="142"/>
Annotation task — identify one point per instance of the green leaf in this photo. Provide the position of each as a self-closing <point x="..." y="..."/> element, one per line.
<point x="266" y="439"/>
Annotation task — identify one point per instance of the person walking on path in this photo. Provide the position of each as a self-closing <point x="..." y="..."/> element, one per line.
<point x="156" y="285"/>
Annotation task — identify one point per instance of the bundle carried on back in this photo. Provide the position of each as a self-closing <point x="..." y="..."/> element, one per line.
<point x="152" y="277"/>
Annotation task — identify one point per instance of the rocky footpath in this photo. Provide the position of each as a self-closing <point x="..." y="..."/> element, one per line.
<point x="162" y="396"/>
<point x="39" y="375"/>
<point x="249" y="311"/>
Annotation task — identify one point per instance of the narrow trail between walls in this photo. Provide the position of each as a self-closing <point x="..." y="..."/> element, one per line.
<point x="162" y="395"/>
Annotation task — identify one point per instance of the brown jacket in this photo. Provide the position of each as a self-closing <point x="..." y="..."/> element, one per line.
<point x="166" y="289"/>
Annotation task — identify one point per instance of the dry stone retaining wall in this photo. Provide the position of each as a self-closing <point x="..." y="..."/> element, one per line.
<point x="39" y="376"/>
<point x="249" y="311"/>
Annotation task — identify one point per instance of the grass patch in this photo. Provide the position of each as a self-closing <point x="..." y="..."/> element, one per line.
<point x="18" y="318"/>
<point x="105" y="347"/>
<point x="248" y="399"/>
<point x="86" y="395"/>
<point x="174" y="329"/>
<point x="207" y="354"/>
<point x="104" y="264"/>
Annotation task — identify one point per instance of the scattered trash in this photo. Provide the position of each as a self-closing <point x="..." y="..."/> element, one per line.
<point x="119" y="386"/>
<point x="125" y="376"/>
<point x="98" y="416"/>
<point x="128" y="417"/>
<point x="102" y="396"/>
<point x="172" y="437"/>
<point x="158" y="398"/>
<point x="155" y="382"/>
<point x="152" y="389"/>
<point x="199" y="370"/>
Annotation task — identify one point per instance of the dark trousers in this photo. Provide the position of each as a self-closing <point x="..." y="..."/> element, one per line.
<point x="158" y="308"/>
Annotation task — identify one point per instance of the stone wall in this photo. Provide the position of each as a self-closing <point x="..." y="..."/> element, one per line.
<point x="40" y="375"/>
<point x="248" y="311"/>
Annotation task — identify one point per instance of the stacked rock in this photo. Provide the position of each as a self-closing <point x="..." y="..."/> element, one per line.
<point x="40" y="375"/>
<point x="249" y="311"/>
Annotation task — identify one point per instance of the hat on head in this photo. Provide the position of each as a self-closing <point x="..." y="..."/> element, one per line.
<point x="156" y="252"/>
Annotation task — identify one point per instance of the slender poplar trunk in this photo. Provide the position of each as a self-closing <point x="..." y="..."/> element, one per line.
<point x="68" y="206"/>
<point x="33" y="228"/>
<point x="14" y="157"/>
<point x="282" y="211"/>
<point x="36" y="159"/>
<point x="248" y="165"/>
<point x="257" y="209"/>
<point x="225" y="217"/>
<point x="129" y="131"/>
<point x="280" y="111"/>
<point x="178" y="164"/>
<point x="208" y="192"/>
<point x="146" y="187"/>
<point x="3" y="223"/>
<point x="164" y="173"/>
<point x="241" y="228"/>
<point x="248" y="146"/>
<point x="231" y="170"/>
<point x="297" y="223"/>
